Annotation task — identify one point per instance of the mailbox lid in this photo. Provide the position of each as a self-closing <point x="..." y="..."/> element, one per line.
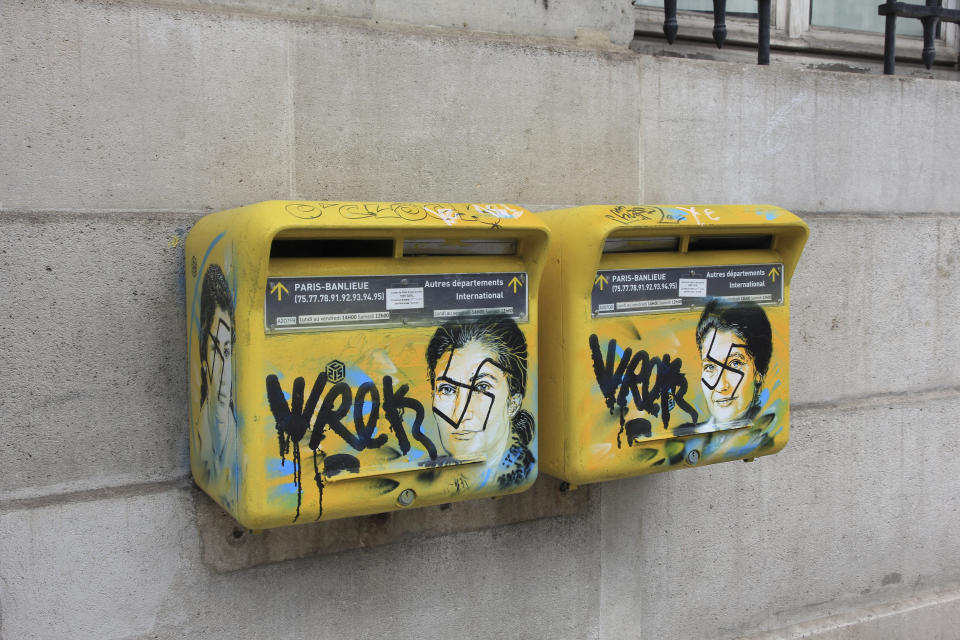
<point x="631" y="367"/>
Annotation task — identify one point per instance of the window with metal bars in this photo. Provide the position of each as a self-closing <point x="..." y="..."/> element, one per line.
<point x="841" y="28"/>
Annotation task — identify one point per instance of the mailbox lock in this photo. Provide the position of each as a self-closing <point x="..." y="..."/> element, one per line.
<point x="693" y="457"/>
<point x="406" y="497"/>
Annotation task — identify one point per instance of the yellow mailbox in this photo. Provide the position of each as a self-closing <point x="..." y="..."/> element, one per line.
<point x="666" y="337"/>
<point x="349" y="358"/>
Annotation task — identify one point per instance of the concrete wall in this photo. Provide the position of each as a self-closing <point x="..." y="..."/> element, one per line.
<point x="121" y="123"/>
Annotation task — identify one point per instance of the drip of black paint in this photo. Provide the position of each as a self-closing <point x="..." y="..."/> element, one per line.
<point x="293" y="420"/>
<point x="297" y="477"/>
<point x="318" y="478"/>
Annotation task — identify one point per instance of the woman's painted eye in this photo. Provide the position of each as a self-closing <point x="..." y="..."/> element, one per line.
<point x="709" y="368"/>
<point x="484" y="386"/>
<point x="736" y="363"/>
<point x="446" y="389"/>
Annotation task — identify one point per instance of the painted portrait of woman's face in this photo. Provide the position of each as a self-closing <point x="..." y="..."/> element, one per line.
<point x="219" y="359"/>
<point x="472" y="403"/>
<point x="729" y="376"/>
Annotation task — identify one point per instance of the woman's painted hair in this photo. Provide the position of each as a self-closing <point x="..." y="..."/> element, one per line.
<point x="508" y="346"/>
<point x="214" y="293"/>
<point x="745" y="319"/>
<point x="500" y="334"/>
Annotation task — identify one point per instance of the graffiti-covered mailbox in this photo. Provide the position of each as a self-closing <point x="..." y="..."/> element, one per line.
<point x="352" y="358"/>
<point x="674" y="326"/>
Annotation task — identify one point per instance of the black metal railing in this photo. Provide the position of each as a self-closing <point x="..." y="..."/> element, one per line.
<point x="670" y="25"/>
<point x="929" y="14"/>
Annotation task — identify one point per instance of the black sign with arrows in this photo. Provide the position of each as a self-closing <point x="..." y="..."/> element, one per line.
<point x="618" y="292"/>
<point x="317" y="303"/>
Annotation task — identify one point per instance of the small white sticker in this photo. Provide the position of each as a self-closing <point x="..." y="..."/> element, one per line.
<point x="286" y="321"/>
<point x="407" y="298"/>
<point x="693" y="288"/>
<point x="484" y="311"/>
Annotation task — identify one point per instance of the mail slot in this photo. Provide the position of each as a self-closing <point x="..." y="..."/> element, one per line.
<point x="666" y="337"/>
<point x="349" y="358"/>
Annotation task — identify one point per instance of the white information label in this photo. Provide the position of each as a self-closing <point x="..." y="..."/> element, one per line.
<point x="692" y="288"/>
<point x="406" y="298"/>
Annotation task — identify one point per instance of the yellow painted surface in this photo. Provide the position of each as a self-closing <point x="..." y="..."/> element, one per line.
<point x="335" y="420"/>
<point x="632" y="392"/>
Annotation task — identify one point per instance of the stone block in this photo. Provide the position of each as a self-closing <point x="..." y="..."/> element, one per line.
<point x="92" y="338"/>
<point x="94" y="569"/>
<point x="860" y="507"/>
<point x="542" y="18"/>
<point x="454" y="119"/>
<point x="550" y="18"/>
<point x="931" y="613"/>
<point x="717" y="132"/>
<point x="872" y="310"/>
<point x="124" y="106"/>
<point x="130" y="568"/>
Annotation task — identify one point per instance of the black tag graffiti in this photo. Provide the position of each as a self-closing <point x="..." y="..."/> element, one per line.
<point x="293" y="424"/>
<point x="394" y="403"/>
<point x="632" y="377"/>
<point x="293" y="421"/>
